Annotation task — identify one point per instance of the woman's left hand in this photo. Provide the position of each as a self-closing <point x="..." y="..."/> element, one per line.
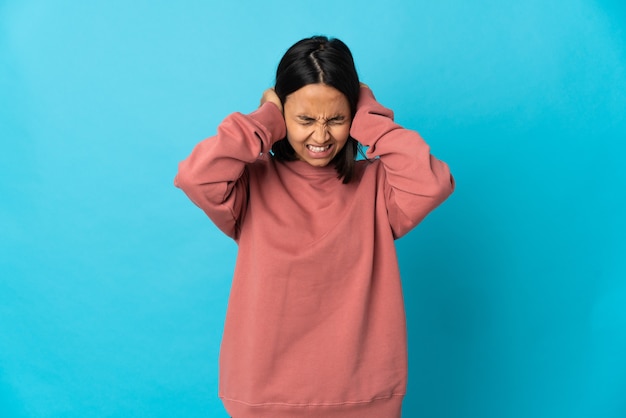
<point x="270" y="95"/>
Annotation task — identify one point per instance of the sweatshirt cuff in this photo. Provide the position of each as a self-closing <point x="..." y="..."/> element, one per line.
<point x="270" y="117"/>
<point x="366" y="96"/>
<point x="371" y="120"/>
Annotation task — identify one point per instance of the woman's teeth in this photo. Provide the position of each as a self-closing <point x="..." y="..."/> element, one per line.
<point x="318" y="149"/>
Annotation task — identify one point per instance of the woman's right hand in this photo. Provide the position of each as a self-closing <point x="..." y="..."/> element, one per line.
<point x="270" y="95"/>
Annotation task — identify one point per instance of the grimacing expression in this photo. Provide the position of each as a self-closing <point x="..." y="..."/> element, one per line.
<point x="318" y="121"/>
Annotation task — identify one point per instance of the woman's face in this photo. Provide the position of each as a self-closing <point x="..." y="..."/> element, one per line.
<point x="318" y="123"/>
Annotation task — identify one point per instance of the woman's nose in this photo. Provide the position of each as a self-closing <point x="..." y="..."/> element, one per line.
<point x="321" y="133"/>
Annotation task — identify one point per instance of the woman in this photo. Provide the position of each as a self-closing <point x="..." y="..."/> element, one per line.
<point x="315" y="324"/>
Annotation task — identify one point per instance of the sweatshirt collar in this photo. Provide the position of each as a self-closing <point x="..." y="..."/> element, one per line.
<point x="305" y="169"/>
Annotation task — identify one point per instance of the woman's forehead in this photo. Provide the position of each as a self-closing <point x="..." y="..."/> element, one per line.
<point x="317" y="99"/>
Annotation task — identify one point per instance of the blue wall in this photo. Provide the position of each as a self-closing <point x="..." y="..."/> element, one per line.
<point x="113" y="286"/>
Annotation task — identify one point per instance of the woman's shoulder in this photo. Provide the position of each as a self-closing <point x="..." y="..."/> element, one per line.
<point x="367" y="164"/>
<point x="263" y="163"/>
<point x="367" y="167"/>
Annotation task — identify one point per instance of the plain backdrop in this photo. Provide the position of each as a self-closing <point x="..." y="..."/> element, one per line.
<point x="113" y="286"/>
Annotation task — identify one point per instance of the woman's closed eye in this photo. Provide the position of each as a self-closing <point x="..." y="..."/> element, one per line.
<point x="338" y="120"/>
<point x="334" y="121"/>
<point x="306" y="121"/>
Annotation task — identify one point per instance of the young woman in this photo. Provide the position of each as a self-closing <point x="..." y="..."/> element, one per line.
<point x="315" y="324"/>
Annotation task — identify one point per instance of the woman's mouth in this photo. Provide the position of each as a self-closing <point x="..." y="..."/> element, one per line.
<point x="317" y="150"/>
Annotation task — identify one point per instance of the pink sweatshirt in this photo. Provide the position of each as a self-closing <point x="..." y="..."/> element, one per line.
<point x="315" y="324"/>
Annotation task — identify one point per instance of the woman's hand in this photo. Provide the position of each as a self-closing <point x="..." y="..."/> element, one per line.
<point x="270" y="95"/>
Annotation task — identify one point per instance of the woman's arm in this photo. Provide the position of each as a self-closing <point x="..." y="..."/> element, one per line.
<point x="415" y="181"/>
<point x="214" y="175"/>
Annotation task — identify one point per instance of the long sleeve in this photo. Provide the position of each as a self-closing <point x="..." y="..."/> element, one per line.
<point x="214" y="175"/>
<point x="415" y="181"/>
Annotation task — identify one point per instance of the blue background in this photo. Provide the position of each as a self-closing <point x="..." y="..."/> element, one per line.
<point x="114" y="286"/>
